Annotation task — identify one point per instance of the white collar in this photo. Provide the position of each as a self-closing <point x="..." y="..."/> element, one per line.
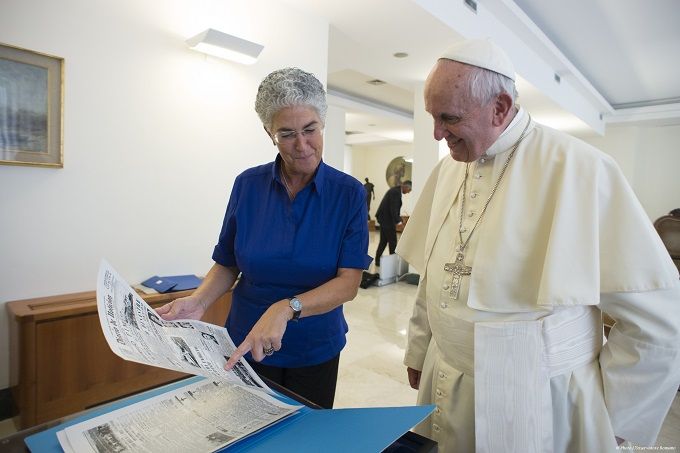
<point x="519" y="118"/>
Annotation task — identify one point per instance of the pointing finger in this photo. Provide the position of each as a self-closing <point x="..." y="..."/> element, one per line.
<point x="239" y="352"/>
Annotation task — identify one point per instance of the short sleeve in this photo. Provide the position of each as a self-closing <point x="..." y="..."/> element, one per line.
<point x="224" y="250"/>
<point x="354" y="249"/>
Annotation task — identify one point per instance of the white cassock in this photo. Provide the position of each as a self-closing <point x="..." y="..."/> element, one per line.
<point x="516" y="362"/>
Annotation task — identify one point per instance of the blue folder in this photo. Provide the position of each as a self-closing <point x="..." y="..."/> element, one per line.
<point x="172" y="283"/>
<point x="160" y="284"/>
<point x="184" y="282"/>
<point x="308" y="430"/>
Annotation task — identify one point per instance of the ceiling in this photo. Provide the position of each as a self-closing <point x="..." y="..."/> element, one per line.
<point x="628" y="49"/>
<point x="617" y="59"/>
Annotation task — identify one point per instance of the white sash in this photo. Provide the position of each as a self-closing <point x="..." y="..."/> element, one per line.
<point x="513" y="407"/>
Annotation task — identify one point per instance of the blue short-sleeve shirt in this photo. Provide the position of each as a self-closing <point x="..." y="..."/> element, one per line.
<point x="284" y="248"/>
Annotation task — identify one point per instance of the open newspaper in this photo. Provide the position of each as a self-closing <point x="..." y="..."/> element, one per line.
<point x="201" y="417"/>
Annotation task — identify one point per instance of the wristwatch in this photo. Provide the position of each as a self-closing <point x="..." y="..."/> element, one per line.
<point x="295" y="304"/>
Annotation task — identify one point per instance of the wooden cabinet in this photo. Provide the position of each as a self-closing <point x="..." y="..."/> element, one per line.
<point x="60" y="362"/>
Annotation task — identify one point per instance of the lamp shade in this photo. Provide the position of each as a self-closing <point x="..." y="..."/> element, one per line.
<point x="223" y="45"/>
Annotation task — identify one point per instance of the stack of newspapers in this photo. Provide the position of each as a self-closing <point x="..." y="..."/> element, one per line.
<point x="202" y="416"/>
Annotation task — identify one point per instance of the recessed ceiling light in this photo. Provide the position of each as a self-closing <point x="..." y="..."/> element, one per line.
<point x="376" y="82"/>
<point x="400" y="55"/>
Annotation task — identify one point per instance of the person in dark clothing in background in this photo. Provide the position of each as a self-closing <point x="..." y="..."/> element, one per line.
<point x="370" y="194"/>
<point x="389" y="217"/>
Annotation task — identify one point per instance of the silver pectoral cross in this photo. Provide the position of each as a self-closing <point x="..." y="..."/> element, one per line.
<point x="458" y="269"/>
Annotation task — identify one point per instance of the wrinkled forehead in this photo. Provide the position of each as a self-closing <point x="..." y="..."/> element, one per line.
<point x="447" y="84"/>
<point x="448" y="75"/>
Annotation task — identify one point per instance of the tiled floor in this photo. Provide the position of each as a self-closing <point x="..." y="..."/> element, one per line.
<point x="371" y="371"/>
<point x="670" y="431"/>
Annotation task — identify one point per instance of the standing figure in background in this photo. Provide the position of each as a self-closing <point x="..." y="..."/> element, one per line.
<point x="370" y="195"/>
<point x="295" y="232"/>
<point x="389" y="216"/>
<point x="523" y="237"/>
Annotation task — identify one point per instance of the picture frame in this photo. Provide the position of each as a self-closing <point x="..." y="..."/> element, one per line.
<point x="31" y="108"/>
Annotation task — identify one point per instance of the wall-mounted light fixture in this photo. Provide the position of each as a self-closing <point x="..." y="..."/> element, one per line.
<point x="223" y="45"/>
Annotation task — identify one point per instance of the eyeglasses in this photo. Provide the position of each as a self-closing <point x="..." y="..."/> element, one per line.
<point x="291" y="136"/>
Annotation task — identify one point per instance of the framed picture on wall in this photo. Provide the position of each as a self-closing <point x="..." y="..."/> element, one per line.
<point x="31" y="108"/>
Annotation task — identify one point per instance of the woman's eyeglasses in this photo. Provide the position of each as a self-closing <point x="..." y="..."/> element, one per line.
<point x="291" y="136"/>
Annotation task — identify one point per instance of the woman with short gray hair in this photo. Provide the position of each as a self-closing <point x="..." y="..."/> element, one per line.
<point x="288" y="87"/>
<point x="295" y="230"/>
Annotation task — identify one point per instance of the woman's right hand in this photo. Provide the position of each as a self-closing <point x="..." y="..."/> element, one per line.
<point x="190" y="307"/>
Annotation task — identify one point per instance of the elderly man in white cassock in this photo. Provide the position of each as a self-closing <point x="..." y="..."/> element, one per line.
<point x="523" y="238"/>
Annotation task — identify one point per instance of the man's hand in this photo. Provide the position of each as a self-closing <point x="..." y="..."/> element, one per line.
<point x="413" y="377"/>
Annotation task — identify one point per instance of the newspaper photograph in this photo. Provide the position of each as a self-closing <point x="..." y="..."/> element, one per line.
<point x="135" y="332"/>
<point x="201" y="417"/>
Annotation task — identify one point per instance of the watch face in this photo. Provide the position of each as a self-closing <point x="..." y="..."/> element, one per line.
<point x="295" y="304"/>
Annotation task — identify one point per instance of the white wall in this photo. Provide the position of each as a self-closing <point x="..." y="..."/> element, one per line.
<point x="650" y="158"/>
<point x="427" y="151"/>
<point x="347" y="161"/>
<point x="370" y="161"/>
<point x="154" y="135"/>
<point x="334" y="138"/>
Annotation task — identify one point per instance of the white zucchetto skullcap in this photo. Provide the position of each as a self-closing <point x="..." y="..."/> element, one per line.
<point x="482" y="53"/>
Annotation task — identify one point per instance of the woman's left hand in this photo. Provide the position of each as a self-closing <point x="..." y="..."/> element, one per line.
<point x="265" y="334"/>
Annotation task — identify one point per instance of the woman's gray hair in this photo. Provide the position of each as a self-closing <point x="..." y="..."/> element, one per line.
<point x="289" y="87"/>
<point x="484" y="85"/>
